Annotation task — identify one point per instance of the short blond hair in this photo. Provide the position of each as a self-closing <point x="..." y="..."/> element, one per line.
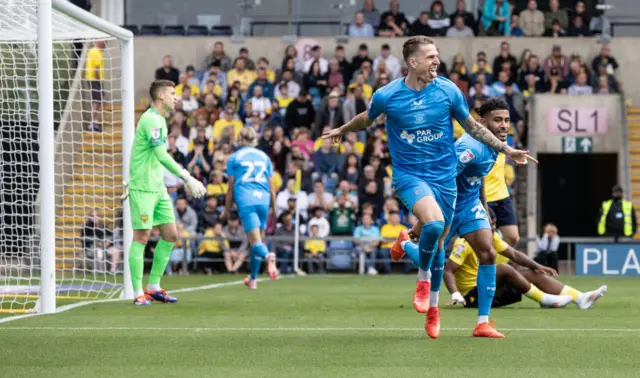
<point x="248" y="136"/>
<point x="412" y="45"/>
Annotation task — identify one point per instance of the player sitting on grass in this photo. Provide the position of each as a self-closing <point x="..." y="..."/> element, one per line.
<point x="149" y="201"/>
<point x="251" y="187"/>
<point x="535" y="283"/>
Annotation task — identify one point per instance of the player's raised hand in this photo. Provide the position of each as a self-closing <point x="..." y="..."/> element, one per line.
<point x="334" y="134"/>
<point x="520" y="156"/>
<point x="546" y="270"/>
<point x="192" y="185"/>
<point x="456" y="299"/>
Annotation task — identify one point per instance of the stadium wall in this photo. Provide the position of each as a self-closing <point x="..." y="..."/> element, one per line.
<point x="192" y="50"/>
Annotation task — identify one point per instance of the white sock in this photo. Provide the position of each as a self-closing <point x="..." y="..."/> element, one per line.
<point x="550" y="299"/>
<point x="483" y="319"/>
<point x="434" y="296"/>
<point x="424" y="275"/>
<point x="403" y="243"/>
<point x="138" y="293"/>
<point x="153" y="287"/>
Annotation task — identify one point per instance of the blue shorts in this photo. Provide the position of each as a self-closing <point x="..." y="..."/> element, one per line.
<point x="505" y="212"/>
<point x="412" y="189"/>
<point x="253" y="216"/>
<point x="469" y="217"/>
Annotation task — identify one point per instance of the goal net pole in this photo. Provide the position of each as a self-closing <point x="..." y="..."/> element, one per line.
<point x="46" y="136"/>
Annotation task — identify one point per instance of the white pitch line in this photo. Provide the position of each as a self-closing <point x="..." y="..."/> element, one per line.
<point x="303" y="329"/>
<point x="91" y="302"/>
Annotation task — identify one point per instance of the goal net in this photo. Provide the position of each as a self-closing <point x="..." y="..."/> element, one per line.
<point x="88" y="160"/>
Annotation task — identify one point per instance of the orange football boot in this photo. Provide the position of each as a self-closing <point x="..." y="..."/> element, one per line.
<point x="397" y="253"/>
<point x="432" y="326"/>
<point x="421" y="296"/>
<point x="487" y="330"/>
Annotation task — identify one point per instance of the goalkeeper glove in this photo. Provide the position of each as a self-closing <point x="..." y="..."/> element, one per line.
<point x="193" y="186"/>
<point x="457" y="298"/>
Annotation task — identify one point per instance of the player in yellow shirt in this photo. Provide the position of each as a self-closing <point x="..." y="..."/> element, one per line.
<point x="94" y="74"/>
<point x="499" y="200"/>
<point x="535" y="282"/>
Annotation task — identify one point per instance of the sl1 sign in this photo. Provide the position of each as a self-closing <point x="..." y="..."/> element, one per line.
<point x="608" y="260"/>
<point x="575" y="121"/>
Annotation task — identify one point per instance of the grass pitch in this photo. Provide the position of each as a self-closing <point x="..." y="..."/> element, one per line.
<point x="323" y="326"/>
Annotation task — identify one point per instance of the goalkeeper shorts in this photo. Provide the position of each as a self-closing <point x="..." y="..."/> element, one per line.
<point x="149" y="209"/>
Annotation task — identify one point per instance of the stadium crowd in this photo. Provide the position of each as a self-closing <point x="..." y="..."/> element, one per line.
<point x="345" y="190"/>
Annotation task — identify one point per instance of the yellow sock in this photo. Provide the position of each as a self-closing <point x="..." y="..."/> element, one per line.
<point x="534" y="293"/>
<point x="568" y="290"/>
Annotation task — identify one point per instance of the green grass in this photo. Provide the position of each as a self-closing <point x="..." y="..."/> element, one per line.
<point x="194" y="338"/>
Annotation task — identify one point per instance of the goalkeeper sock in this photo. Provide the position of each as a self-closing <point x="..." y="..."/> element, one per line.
<point x="258" y="252"/>
<point x="486" y="283"/>
<point x="136" y="267"/>
<point x="160" y="261"/>
<point x="568" y="290"/>
<point x="542" y="297"/>
<point x="437" y="271"/>
<point x="411" y="250"/>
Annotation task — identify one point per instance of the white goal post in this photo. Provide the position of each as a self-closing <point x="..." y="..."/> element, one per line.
<point x="45" y="44"/>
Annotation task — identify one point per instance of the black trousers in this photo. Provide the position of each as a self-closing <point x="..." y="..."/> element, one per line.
<point x="549" y="259"/>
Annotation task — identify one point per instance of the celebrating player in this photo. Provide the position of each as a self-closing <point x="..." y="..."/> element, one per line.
<point x="250" y="173"/>
<point x="148" y="198"/>
<point x="419" y="109"/>
<point x="535" y="283"/>
<point x="475" y="160"/>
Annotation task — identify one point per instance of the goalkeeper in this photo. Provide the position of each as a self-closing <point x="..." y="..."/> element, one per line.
<point x="149" y="201"/>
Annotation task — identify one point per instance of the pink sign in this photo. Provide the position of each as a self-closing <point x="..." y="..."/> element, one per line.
<point x="576" y="121"/>
<point x="304" y="45"/>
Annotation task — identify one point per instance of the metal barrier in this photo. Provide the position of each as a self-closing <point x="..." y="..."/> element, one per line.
<point x="298" y="24"/>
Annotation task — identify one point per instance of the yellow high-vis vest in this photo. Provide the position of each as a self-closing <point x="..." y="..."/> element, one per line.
<point x="627" y="208"/>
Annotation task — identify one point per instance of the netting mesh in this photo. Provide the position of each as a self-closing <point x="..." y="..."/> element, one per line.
<point x="88" y="160"/>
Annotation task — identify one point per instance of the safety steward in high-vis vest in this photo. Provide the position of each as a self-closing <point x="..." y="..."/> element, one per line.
<point x="617" y="216"/>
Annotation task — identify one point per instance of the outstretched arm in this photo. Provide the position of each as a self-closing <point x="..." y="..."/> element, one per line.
<point x="526" y="261"/>
<point x="359" y="122"/>
<point x="479" y="132"/>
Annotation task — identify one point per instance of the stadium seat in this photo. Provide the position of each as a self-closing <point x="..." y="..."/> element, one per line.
<point x="339" y="255"/>
<point x="132" y="28"/>
<point x="174" y="30"/>
<point x="221" y="31"/>
<point x="150" y="30"/>
<point x="197" y="30"/>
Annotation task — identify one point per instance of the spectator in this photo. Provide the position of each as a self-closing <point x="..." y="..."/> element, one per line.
<point x="557" y="83"/>
<point x="220" y="78"/>
<point x="242" y="74"/>
<point x="217" y="57"/>
<point x="116" y="250"/>
<point x="180" y="251"/>
<point x="532" y="20"/>
<point x="557" y="60"/>
<point x="263" y="82"/>
<point x="605" y="58"/>
<point x="389" y="232"/>
<point x="259" y="103"/>
<point x="335" y="78"/>
<point x="182" y="143"/>
<point x="227" y="120"/>
<point x="263" y="64"/>
<point x="359" y="81"/>
<point x="371" y="14"/>
<point x="314" y="251"/>
<point x="343" y="64"/>
<point x="359" y="28"/>
<point x="603" y="81"/>
<point x="504" y="56"/>
<point x="388" y="27"/>
<point x="575" y="67"/>
<point x="95" y="240"/>
<point x="459" y="29"/>
<point x="316" y="56"/>
<point x="461" y="11"/>
<point x="368" y="230"/>
<point x="283" y="197"/>
<point x="293" y="87"/>
<point x="237" y="253"/>
<point x="578" y="28"/>
<point x="318" y="219"/>
<point x="291" y="52"/>
<point x="213" y="247"/>
<point x="367" y="74"/>
<point x="390" y="206"/>
<point x="580" y="87"/>
<point x="354" y="103"/>
<point x="303" y="142"/>
<point x="315" y="83"/>
<point x="185" y="214"/>
<point x="243" y="53"/>
<point x="191" y="76"/>
<point x="210" y="215"/>
<point x="167" y="71"/>
<point x="480" y="67"/>
<point x="495" y="19"/>
<point x="94" y="75"/>
<point x="173" y="150"/>
<point x="515" y="99"/>
<point x="617" y="216"/>
<point x="320" y="198"/>
<point x="211" y="108"/>
<point x="383" y="79"/>
<point x="393" y="64"/>
<point x="498" y="88"/>
<point x="555" y="30"/>
<point x="547" y="247"/>
<point x="372" y="195"/>
<point x="480" y="85"/>
<point x="184" y="82"/>
<point x="342" y="217"/>
<point x="284" y="244"/>
<point x="581" y="12"/>
<point x="421" y="26"/>
<point x="533" y="67"/>
<point x="351" y="191"/>
<point x="398" y="17"/>
<point x="300" y="113"/>
<point x="363" y="56"/>
<point x="329" y="114"/>
<point x="516" y="30"/>
<point x="555" y="13"/>
<point x="289" y="64"/>
<point x="438" y="18"/>
<point x="283" y="98"/>
<point x="199" y="156"/>
<point x="189" y="103"/>
<point x="325" y="163"/>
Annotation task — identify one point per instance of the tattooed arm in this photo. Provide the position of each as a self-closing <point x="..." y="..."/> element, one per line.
<point x="481" y="133"/>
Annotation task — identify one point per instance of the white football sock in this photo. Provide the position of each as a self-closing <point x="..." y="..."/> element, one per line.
<point x="424" y="275"/>
<point x="434" y="296"/>
<point x="403" y="243"/>
<point x="483" y="319"/>
<point x="153" y="287"/>
<point x="551" y="299"/>
<point x="138" y="293"/>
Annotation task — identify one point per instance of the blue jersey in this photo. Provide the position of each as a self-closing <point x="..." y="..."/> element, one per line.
<point x="251" y="169"/>
<point x="420" y="128"/>
<point x="475" y="160"/>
